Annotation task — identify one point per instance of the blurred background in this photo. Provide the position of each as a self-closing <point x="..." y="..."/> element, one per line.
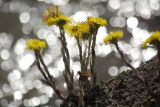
<point x="20" y="80"/>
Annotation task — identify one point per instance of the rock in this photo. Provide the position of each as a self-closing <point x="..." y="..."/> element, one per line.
<point x="124" y="91"/>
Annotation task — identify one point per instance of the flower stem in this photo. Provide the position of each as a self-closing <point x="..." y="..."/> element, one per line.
<point x="93" y="56"/>
<point x="81" y="102"/>
<point x="142" y="80"/>
<point x="44" y="65"/>
<point x="80" y="54"/>
<point x="44" y="71"/>
<point x="158" y="55"/>
<point x="40" y="68"/>
<point x="89" y="52"/>
<point x="126" y="62"/>
<point x="68" y="75"/>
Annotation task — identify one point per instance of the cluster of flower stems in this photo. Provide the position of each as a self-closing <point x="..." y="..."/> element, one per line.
<point x="87" y="59"/>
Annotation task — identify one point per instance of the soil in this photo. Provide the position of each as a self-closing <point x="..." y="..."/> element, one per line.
<point x="123" y="91"/>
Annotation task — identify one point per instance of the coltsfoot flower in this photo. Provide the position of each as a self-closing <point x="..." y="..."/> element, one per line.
<point x="50" y="21"/>
<point x="62" y="20"/>
<point x="78" y="29"/>
<point x="153" y="38"/>
<point x="96" y="21"/>
<point x="35" y="44"/>
<point x="53" y="16"/>
<point x="113" y="36"/>
<point x="52" y="11"/>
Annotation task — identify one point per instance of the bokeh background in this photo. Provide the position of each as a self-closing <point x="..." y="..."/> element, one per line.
<point x="20" y="80"/>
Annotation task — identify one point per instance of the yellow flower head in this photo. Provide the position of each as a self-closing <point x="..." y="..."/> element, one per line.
<point x="52" y="16"/>
<point x="52" y="11"/>
<point x="113" y="36"/>
<point x="96" y="21"/>
<point x="35" y="44"/>
<point x="50" y="21"/>
<point x="78" y="29"/>
<point x="62" y="19"/>
<point x="154" y="37"/>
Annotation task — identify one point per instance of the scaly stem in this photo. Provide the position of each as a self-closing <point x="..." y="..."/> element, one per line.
<point x="64" y="43"/>
<point x="40" y="68"/>
<point x="81" y="102"/>
<point x="44" y="71"/>
<point x="44" y="65"/>
<point x="126" y="62"/>
<point x="93" y="56"/>
<point x="85" y="53"/>
<point x="65" y="74"/>
<point x="89" y="52"/>
<point x="66" y="58"/>
<point x="159" y="63"/>
<point x="142" y="80"/>
<point x="158" y="54"/>
<point x="80" y="54"/>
